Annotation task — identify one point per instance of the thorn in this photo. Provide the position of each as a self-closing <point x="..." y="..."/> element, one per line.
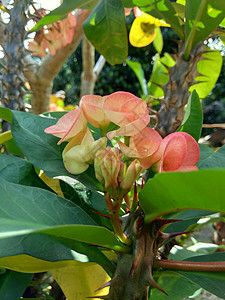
<point x="162" y="222"/>
<point x="155" y="285"/>
<point x="103" y="286"/>
<point x="103" y="215"/>
<point x="159" y="85"/>
<point x="127" y="201"/>
<point x="142" y="183"/>
<point x="174" y="234"/>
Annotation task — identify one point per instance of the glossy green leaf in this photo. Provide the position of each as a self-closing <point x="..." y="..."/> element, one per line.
<point x="180" y="191"/>
<point x="22" y="213"/>
<point x="205" y="152"/>
<point x="215" y="160"/>
<point x="63" y="10"/>
<point x="213" y="282"/>
<point x="5" y="114"/>
<point x="209" y="69"/>
<point x="193" y="118"/>
<point x="13" y="284"/>
<point x="139" y="72"/>
<point x="176" y="286"/>
<point x="158" y="40"/>
<point x="42" y="150"/>
<point x="159" y="74"/>
<point x="202" y="17"/>
<point x="105" y="28"/>
<point x="162" y="9"/>
<point x="18" y="170"/>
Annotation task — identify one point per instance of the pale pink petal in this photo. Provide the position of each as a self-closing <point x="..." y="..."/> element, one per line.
<point x="137" y="12"/>
<point x="92" y="107"/>
<point x="69" y="125"/>
<point x="131" y="128"/>
<point x="127" y="11"/>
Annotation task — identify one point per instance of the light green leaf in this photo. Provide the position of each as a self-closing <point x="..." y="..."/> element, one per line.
<point x="158" y="40"/>
<point x="202" y="17"/>
<point x="215" y="160"/>
<point x="137" y="68"/>
<point x="193" y="118"/>
<point x="162" y="9"/>
<point x="5" y="114"/>
<point x="209" y="69"/>
<point x="13" y="284"/>
<point x="21" y="213"/>
<point x="105" y="28"/>
<point x="180" y="191"/>
<point x="63" y="10"/>
<point x="5" y="137"/>
<point x="42" y="150"/>
<point x="159" y="74"/>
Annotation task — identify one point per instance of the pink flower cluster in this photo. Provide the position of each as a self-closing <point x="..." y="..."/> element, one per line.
<point x="54" y="37"/>
<point x="142" y="145"/>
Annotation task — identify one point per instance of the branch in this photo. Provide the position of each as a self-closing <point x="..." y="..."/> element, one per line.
<point x="212" y="266"/>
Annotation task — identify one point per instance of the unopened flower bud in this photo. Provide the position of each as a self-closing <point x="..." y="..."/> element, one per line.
<point x="132" y="174"/>
<point x="107" y="166"/>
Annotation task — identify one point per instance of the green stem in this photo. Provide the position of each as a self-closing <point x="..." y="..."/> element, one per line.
<point x="114" y="217"/>
<point x="212" y="266"/>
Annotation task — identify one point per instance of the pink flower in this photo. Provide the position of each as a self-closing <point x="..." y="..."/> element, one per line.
<point x="133" y="172"/>
<point x="177" y="152"/>
<point x="71" y="124"/>
<point x="92" y="107"/>
<point x="127" y="111"/>
<point x="142" y="145"/>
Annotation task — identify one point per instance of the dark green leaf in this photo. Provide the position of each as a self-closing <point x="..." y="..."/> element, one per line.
<point x="209" y="69"/>
<point x="193" y="118"/>
<point x="139" y="72"/>
<point x="13" y="284"/>
<point x="205" y="152"/>
<point x="21" y="212"/>
<point x="63" y="10"/>
<point x="214" y="160"/>
<point x="202" y="17"/>
<point x="127" y="3"/>
<point x="179" y="191"/>
<point x="162" y="9"/>
<point x="18" y="170"/>
<point x="177" y="287"/>
<point x="41" y="149"/>
<point x="105" y="28"/>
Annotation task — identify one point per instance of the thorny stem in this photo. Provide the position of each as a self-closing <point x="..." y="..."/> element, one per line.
<point x="213" y="266"/>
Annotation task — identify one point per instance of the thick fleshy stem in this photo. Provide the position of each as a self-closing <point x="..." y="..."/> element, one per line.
<point x="115" y="220"/>
<point x="213" y="266"/>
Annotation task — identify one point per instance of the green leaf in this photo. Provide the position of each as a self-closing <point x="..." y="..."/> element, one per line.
<point x="158" y="40"/>
<point x="39" y="252"/>
<point x="60" y="217"/>
<point x="5" y="114"/>
<point x="180" y="191"/>
<point x="213" y="282"/>
<point x="63" y="10"/>
<point x="205" y="152"/>
<point x="209" y="69"/>
<point x="162" y="9"/>
<point x="13" y="284"/>
<point x="202" y="17"/>
<point x="18" y="170"/>
<point x="42" y="150"/>
<point x="159" y="74"/>
<point x="105" y="28"/>
<point x="5" y="137"/>
<point x="177" y="287"/>
<point x="139" y="72"/>
<point x="128" y="3"/>
<point x="193" y="118"/>
<point x="215" y="160"/>
<point x="12" y="148"/>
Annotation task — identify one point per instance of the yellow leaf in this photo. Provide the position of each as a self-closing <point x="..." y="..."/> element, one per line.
<point x="52" y="183"/>
<point x="143" y="32"/>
